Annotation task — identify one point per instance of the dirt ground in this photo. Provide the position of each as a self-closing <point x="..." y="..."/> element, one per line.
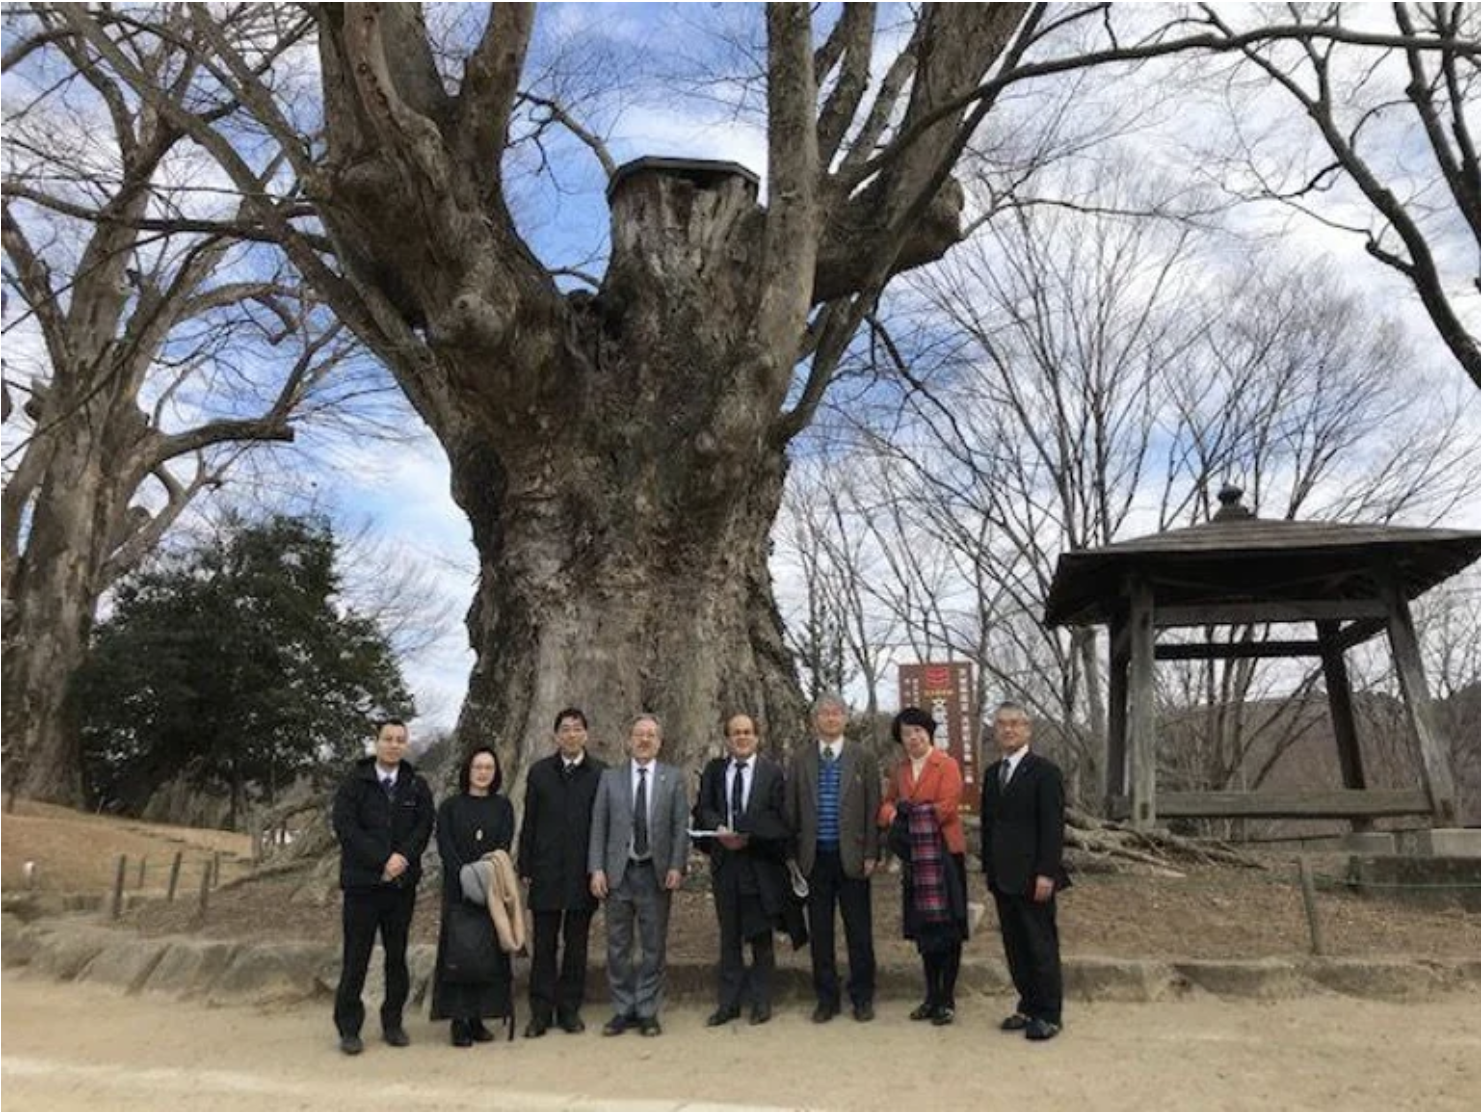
<point x="70" y="1047"/>
<point x="77" y="851"/>
<point x="1211" y="913"/>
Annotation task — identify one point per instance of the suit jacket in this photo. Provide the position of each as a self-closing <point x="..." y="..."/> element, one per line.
<point x="1021" y="828"/>
<point x="613" y="822"/>
<point x="941" y="785"/>
<point x="371" y="825"/>
<point x="554" y="833"/>
<point x="759" y="866"/>
<point x="860" y="800"/>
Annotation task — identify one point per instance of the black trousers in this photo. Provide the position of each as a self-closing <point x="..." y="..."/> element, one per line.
<point x="558" y="987"/>
<point x="735" y="914"/>
<point x="387" y="910"/>
<point x="1033" y="953"/>
<point x="828" y="886"/>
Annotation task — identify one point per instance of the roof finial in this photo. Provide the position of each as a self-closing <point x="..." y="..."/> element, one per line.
<point x="1231" y="507"/>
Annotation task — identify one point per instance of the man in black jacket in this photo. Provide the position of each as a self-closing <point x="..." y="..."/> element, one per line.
<point x="742" y="797"/>
<point x="383" y="816"/>
<point x="552" y="861"/>
<point x="1021" y="818"/>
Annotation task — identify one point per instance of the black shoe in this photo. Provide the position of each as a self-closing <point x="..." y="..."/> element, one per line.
<point x="649" y="1027"/>
<point x="761" y="1015"/>
<point x="351" y="1044"/>
<point x="479" y="1032"/>
<point x="823" y="1012"/>
<point x="864" y="1012"/>
<point x="722" y="1016"/>
<point x="458" y="1035"/>
<point x="1015" y="1023"/>
<point x="943" y="1015"/>
<point x="535" y="1028"/>
<point x="570" y="1024"/>
<point x="1039" y="1030"/>
<point x="923" y="1012"/>
<point x="617" y="1025"/>
<point x="396" y="1036"/>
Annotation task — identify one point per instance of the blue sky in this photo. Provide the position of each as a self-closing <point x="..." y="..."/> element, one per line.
<point x="646" y="102"/>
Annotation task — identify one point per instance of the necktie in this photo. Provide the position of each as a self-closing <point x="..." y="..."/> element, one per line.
<point x="1004" y="774"/>
<point x="390" y="785"/>
<point x="829" y="756"/>
<point x="738" y="770"/>
<point x="641" y="817"/>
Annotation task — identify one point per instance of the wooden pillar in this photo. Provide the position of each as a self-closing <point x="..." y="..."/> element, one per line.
<point x="1437" y="778"/>
<point x="1141" y="740"/>
<point x="1115" y="746"/>
<point x="1342" y="715"/>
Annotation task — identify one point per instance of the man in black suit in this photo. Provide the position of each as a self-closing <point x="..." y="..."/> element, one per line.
<point x="552" y="861"/>
<point x="743" y="797"/>
<point x="383" y="817"/>
<point x="834" y="792"/>
<point x="1021" y="818"/>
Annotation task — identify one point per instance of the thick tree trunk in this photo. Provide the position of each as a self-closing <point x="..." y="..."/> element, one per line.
<point x="50" y="602"/>
<point x="623" y="516"/>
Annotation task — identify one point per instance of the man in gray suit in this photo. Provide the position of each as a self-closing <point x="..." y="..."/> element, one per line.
<point x="636" y="854"/>
<point x="834" y="792"/>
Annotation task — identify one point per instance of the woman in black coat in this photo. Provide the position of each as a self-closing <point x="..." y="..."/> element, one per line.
<point x="471" y="825"/>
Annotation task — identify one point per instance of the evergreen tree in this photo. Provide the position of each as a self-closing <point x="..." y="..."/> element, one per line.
<point x="234" y="664"/>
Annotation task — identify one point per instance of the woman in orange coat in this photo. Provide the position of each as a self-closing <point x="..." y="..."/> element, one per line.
<point x="920" y="807"/>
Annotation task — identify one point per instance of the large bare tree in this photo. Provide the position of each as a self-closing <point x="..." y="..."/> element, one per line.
<point x="146" y="349"/>
<point x="620" y="451"/>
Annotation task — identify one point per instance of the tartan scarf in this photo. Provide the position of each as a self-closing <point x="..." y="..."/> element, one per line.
<point x="929" y="881"/>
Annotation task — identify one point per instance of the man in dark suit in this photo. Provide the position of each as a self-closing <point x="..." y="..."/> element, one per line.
<point x="1021" y="819"/>
<point x="382" y="816"/>
<point x="552" y="861"/>
<point x="636" y="856"/>
<point x="743" y="797"/>
<point x="834" y="791"/>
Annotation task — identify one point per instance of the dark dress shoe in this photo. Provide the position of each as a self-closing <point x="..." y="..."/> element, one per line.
<point x="722" y="1016"/>
<point x="479" y="1032"/>
<point x="617" y="1025"/>
<point x="923" y="1012"/>
<point x="571" y="1024"/>
<point x="864" y="1011"/>
<point x="823" y="1012"/>
<point x="458" y="1034"/>
<point x="535" y="1028"/>
<point x="761" y="1015"/>
<point x="351" y="1044"/>
<point x="1015" y="1023"/>
<point x="1039" y="1030"/>
<point x="396" y="1036"/>
<point x="943" y="1015"/>
<point x="649" y="1027"/>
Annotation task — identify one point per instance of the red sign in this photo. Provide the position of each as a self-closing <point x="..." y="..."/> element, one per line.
<point x="946" y="692"/>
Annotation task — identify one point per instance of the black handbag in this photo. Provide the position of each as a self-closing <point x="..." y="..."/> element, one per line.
<point x="471" y="954"/>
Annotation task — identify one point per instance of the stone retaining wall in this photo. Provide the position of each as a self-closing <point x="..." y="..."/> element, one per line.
<point x="226" y="973"/>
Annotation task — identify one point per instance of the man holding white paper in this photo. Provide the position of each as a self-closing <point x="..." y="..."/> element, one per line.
<point x="742" y="800"/>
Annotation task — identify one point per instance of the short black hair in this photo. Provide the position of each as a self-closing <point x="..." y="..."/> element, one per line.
<point x="568" y="713"/>
<point x="469" y="764"/>
<point x="912" y="717"/>
<point x="389" y="721"/>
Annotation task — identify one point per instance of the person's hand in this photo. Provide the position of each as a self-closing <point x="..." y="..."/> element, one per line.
<point x="672" y="879"/>
<point x="599" y="885"/>
<point x="871" y="865"/>
<point x="525" y="881"/>
<point x="395" y="867"/>
<point x="1045" y="887"/>
<point x="732" y="841"/>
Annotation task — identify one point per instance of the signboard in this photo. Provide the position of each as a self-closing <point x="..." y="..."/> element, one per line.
<point x="946" y="692"/>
